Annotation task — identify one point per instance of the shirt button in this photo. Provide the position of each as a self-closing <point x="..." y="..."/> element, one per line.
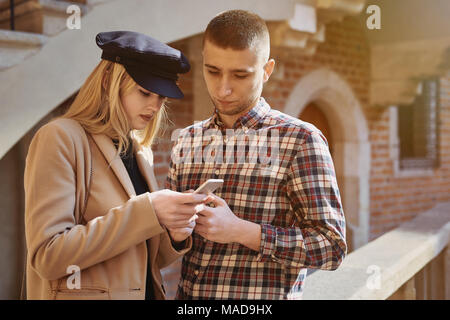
<point x="245" y="129"/>
<point x="196" y="272"/>
<point x="225" y="140"/>
<point x="217" y="172"/>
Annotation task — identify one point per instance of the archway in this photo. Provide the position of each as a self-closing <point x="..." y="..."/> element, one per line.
<point x="330" y="96"/>
<point x="313" y="114"/>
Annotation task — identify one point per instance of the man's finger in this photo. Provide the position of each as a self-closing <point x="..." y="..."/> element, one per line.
<point x="207" y="211"/>
<point x="193" y="219"/>
<point x="216" y="200"/>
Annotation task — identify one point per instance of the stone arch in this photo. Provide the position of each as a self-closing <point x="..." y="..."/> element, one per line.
<point x="351" y="153"/>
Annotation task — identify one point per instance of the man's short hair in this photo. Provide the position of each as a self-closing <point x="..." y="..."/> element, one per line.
<point x="238" y="30"/>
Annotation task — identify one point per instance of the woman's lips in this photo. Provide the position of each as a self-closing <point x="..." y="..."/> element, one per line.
<point x="146" y="118"/>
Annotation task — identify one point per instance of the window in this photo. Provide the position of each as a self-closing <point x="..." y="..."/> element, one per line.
<point x="418" y="128"/>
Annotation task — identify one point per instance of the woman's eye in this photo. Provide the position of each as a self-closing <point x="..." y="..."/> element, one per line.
<point x="213" y="72"/>
<point x="241" y="76"/>
<point x="146" y="94"/>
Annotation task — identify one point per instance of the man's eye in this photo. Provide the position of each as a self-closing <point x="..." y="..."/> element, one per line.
<point x="213" y="72"/>
<point x="241" y="76"/>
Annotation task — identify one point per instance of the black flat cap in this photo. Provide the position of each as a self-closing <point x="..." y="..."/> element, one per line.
<point x="152" y="64"/>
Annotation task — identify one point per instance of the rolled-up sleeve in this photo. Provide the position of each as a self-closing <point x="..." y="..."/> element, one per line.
<point x="316" y="238"/>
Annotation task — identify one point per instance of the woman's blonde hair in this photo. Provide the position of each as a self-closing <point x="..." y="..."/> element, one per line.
<point x="99" y="110"/>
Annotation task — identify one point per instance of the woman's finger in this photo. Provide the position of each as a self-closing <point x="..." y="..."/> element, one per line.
<point x="191" y="198"/>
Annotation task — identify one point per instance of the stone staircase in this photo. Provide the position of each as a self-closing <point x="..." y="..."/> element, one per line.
<point x="306" y="29"/>
<point x="35" y="21"/>
<point x="16" y="46"/>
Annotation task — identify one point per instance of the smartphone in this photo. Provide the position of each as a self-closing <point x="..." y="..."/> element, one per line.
<point x="209" y="186"/>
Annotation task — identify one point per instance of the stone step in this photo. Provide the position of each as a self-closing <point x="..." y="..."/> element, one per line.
<point x="16" y="46"/>
<point x="55" y="15"/>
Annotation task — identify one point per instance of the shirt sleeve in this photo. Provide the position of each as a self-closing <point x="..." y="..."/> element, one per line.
<point x="316" y="238"/>
<point x="176" y="157"/>
<point x="171" y="180"/>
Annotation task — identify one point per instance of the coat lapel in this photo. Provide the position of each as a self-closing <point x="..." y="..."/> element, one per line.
<point x="144" y="158"/>
<point x="109" y="151"/>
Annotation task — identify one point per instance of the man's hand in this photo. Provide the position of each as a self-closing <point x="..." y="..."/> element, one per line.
<point x="217" y="224"/>
<point x="221" y="225"/>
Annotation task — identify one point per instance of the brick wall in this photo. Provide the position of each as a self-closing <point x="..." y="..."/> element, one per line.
<point x="396" y="200"/>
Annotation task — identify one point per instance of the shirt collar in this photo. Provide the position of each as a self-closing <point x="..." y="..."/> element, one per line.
<point x="248" y="120"/>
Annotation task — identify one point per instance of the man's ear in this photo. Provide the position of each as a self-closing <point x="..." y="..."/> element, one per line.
<point x="268" y="69"/>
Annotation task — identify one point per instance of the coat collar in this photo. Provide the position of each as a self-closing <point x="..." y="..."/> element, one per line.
<point x="144" y="158"/>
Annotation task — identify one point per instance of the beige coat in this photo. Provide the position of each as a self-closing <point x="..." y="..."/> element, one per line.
<point x="119" y="230"/>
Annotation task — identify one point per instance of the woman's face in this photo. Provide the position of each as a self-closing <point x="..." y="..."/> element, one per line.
<point x="140" y="106"/>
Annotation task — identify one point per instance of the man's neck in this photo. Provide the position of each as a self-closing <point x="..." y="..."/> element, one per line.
<point x="229" y="120"/>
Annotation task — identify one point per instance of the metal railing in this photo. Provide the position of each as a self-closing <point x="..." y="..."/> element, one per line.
<point x="11" y="18"/>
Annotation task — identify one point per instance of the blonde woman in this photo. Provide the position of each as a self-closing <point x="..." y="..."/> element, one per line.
<point x="96" y="226"/>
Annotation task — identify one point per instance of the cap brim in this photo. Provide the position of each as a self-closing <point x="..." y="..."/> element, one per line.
<point x="162" y="86"/>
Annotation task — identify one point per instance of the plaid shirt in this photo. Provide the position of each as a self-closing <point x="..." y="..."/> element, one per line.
<point x="287" y="185"/>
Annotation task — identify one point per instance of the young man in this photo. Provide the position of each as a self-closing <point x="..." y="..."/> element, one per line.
<point x="272" y="218"/>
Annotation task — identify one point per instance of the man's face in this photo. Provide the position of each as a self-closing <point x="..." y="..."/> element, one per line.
<point x="234" y="78"/>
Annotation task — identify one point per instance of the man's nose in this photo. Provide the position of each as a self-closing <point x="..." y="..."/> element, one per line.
<point x="225" y="88"/>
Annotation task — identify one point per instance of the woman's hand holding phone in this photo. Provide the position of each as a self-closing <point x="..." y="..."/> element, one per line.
<point x="174" y="209"/>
